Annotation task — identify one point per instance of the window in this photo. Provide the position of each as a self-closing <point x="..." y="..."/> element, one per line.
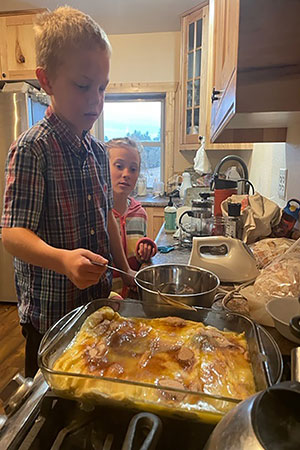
<point x="140" y="117"/>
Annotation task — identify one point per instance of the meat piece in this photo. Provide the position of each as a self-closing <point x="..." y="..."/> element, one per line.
<point x="144" y="359"/>
<point x="158" y="345"/>
<point x="172" y="384"/>
<point x="98" y="316"/>
<point x="96" y="351"/>
<point x="175" y="321"/>
<point x="185" y="355"/>
<point x="102" y="327"/>
<point x="210" y="338"/>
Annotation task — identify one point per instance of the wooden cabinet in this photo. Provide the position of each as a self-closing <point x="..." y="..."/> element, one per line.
<point x="17" y="50"/>
<point x="256" y="69"/>
<point x="196" y="79"/>
<point x="192" y="122"/>
<point x="155" y="220"/>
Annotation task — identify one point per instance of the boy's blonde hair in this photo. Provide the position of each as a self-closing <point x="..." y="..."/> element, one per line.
<point x="62" y="29"/>
<point x="124" y="143"/>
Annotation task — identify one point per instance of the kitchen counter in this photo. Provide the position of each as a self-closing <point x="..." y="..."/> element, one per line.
<point x="149" y="200"/>
<point x="180" y="255"/>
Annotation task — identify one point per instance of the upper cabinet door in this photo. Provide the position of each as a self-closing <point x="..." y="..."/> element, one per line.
<point x="17" y="49"/>
<point x="226" y="22"/>
<point x="197" y="64"/>
<point x="256" y="69"/>
<point x="192" y="81"/>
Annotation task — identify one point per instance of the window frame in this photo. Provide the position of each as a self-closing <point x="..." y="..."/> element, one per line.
<point x="170" y="91"/>
<point x="145" y="97"/>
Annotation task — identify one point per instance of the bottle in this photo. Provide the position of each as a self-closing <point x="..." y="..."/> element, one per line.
<point x="186" y="183"/>
<point x="170" y="217"/>
<point x="142" y="186"/>
<point x="290" y="215"/>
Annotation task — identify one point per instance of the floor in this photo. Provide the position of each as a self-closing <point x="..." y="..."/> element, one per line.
<point x="12" y="344"/>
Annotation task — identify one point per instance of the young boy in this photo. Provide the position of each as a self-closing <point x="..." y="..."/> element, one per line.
<point x="57" y="214"/>
<point x="125" y="162"/>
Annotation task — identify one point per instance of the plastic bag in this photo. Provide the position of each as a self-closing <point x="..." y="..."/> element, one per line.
<point x="201" y="162"/>
<point x="266" y="250"/>
<point x="281" y="278"/>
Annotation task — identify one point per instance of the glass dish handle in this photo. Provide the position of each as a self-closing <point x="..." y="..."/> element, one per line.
<point x="265" y="340"/>
<point x="59" y="328"/>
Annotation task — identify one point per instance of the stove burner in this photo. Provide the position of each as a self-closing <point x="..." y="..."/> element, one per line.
<point x="63" y="424"/>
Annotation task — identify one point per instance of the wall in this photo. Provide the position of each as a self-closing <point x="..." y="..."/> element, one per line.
<point x="266" y="161"/>
<point x="145" y="57"/>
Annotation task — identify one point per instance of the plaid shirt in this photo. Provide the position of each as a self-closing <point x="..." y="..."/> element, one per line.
<point x="59" y="187"/>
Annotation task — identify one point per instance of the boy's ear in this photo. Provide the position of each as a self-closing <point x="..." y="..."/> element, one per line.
<point x="44" y="81"/>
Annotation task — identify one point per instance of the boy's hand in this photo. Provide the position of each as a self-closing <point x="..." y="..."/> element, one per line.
<point x="79" y="269"/>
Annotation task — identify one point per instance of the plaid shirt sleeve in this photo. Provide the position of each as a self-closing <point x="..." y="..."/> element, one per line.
<point x="24" y="188"/>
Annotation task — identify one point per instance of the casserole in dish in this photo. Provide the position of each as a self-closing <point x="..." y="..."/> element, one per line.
<point x="182" y="362"/>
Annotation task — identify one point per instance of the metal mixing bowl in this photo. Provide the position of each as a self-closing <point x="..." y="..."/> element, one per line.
<point x="187" y="284"/>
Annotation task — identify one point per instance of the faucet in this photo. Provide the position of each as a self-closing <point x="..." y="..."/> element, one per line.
<point x="244" y="167"/>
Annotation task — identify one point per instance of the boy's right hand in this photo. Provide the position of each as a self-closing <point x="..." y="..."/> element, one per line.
<point x="79" y="269"/>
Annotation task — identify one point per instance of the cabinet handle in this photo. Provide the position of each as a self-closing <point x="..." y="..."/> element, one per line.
<point x="3" y="75"/>
<point x="215" y="95"/>
<point x="200" y="138"/>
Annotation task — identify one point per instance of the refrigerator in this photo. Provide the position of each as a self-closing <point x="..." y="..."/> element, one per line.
<point x="21" y="106"/>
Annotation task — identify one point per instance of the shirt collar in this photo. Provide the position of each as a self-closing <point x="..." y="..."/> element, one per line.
<point x="65" y="132"/>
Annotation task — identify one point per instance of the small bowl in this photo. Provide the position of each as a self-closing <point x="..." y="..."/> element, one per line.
<point x="282" y="310"/>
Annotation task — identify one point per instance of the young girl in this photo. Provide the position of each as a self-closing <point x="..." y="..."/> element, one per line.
<point x="125" y="162"/>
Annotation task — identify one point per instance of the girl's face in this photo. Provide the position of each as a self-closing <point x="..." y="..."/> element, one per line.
<point x="124" y="169"/>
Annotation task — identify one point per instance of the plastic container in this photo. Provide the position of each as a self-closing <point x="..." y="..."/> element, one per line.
<point x="170" y="217"/>
<point x="264" y="355"/>
<point x="186" y="183"/>
<point x="290" y="215"/>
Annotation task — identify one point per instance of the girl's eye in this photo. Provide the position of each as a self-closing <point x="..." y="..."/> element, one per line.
<point x="119" y="166"/>
<point x="133" y="169"/>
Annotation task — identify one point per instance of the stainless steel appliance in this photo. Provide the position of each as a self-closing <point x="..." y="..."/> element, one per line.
<point x="269" y="420"/>
<point x="21" y="106"/>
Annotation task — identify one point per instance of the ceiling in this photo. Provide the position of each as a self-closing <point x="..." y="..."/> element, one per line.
<point x="119" y="16"/>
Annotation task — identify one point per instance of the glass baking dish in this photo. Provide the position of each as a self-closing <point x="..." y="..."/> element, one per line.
<point x="264" y="355"/>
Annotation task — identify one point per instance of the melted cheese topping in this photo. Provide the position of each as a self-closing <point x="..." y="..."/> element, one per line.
<point x="168" y="352"/>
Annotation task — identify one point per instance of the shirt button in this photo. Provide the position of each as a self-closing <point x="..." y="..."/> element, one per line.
<point x="92" y="231"/>
<point x="89" y="197"/>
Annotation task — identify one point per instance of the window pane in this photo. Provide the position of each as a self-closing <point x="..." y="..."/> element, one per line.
<point x="190" y="65"/>
<point x="196" y="120"/>
<point x="197" y="92"/>
<point x="191" y="36"/>
<point x="152" y="167"/>
<point x="198" y="63"/>
<point x="199" y="33"/>
<point x="189" y="97"/>
<point x="141" y="119"/>
<point x="189" y="121"/>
